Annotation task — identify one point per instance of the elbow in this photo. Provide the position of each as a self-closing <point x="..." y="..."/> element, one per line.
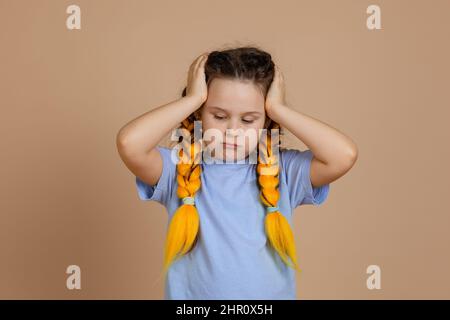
<point x="127" y="146"/>
<point x="353" y="153"/>
<point x="122" y="141"/>
<point x="352" y="156"/>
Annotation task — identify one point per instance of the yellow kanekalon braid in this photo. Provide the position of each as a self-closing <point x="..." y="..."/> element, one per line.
<point x="277" y="227"/>
<point x="184" y="225"/>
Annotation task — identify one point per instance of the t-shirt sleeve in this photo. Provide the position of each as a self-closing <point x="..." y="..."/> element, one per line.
<point x="163" y="189"/>
<point x="297" y="166"/>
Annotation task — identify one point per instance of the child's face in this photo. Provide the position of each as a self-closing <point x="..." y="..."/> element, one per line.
<point x="234" y="112"/>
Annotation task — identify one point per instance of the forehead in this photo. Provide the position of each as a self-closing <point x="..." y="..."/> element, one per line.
<point x="234" y="95"/>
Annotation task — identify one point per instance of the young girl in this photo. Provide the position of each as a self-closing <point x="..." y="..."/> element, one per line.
<point x="229" y="234"/>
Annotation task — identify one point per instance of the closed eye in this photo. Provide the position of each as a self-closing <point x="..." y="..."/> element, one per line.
<point x="222" y="118"/>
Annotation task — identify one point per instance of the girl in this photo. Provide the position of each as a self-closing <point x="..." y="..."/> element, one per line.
<point x="229" y="234"/>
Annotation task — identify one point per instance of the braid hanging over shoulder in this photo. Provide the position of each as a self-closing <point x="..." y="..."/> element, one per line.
<point x="277" y="227"/>
<point x="184" y="225"/>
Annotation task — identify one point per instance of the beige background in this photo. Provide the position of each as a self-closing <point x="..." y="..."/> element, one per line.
<point x="66" y="197"/>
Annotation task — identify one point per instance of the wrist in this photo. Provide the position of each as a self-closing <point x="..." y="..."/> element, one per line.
<point x="195" y="101"/>
<point x="275" y="112"/>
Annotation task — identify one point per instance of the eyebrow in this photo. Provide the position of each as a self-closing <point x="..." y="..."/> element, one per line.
<point x="244" y="113"/>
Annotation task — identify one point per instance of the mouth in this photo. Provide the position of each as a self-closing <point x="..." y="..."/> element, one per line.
<point x="230" y="145"/>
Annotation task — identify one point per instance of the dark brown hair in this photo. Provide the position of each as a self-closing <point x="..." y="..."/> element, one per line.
<point x="248" y="63"/>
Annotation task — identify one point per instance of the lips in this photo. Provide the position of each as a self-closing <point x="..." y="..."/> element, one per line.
<point x="230" y="145"/>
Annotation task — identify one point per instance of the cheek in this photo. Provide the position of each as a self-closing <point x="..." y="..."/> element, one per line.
<point x="205" y="124"/>
<point x="253" y="135"/>
<point x="212" y="123"/>
<point x="212" y="128"/>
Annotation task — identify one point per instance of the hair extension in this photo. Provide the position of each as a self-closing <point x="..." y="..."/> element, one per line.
<point x="184" y="226"/>
<point x="276" y="225"/>
<point x="244" y="63"/>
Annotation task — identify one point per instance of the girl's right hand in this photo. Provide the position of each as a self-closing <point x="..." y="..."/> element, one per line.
<point x="196" y="86"/>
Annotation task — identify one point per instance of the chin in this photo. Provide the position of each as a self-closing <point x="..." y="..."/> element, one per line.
<point x="235" y="156"/>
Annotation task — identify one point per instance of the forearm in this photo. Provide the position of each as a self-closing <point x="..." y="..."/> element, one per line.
<point x="328" y="145"/>
<point x="144" y="132"/>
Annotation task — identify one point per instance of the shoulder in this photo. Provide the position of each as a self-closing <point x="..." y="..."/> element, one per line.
<point x="168" y="154"/>
<point x="289" y="156"/>
<point x="294" y="162"/>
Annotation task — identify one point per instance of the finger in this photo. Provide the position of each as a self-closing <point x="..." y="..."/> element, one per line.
<point x="199" y="61"/>
<point x="196" y="60"/>
<point x="280" y="74"/>
<point x="276" y="73"/>
<point x="202" y="63"/>
<point x="205" y="58"/>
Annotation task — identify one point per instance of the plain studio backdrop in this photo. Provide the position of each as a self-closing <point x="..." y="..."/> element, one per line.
<point x="67" y="198"/>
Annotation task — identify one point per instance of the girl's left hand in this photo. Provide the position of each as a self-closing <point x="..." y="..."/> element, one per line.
<point x="276" y="94"/>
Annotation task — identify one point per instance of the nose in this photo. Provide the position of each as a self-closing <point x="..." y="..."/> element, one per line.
<point x="233" y="131"/>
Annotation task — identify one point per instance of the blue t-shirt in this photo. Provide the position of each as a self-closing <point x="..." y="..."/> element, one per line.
<point x="232" y="258"/>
